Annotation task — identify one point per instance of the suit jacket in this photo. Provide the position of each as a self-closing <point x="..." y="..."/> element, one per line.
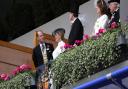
<point x="115" y="17"/>
<point x="76" y="32"/>
<point x="37" y="54"/>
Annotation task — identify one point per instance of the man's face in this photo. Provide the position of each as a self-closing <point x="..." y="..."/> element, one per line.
<point x="40" y="36"/>
<point x="71" y="16"/>
<point x="113" y="6"/>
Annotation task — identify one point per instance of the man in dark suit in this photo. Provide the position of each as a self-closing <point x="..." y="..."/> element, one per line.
<point x="115" y="13"/>
<point x="76" y="32"/>
<point x="38" y="56"/>
<point x="37" y="51"/>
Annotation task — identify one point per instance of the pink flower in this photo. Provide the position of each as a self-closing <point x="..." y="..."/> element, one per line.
<point x="102" y="31"/>
<point x="16" y="71"/>
<point x="2" y="76"/>
<point x="67" y="46"/>
<point x="114" y="25"/>
<point x="6" y="78"/>
<point x="98" y="35"/>
<point x="78" y="42"/>
<point x="86" y="37"/>
<point x="25" y="67"/>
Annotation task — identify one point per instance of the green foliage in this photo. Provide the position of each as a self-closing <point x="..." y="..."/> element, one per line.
<point x="18" y="82"/>
<point x="90" y="57"/>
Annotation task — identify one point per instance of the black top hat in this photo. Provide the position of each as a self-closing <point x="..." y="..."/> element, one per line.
<point x="118" y="1"/>
<point x="74" y="6"/>
<point x="59" y="30"/>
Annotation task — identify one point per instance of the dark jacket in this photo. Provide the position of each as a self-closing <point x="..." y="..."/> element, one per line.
<point x="76" y="32"/>
<point x="115" y="17"/>
<point x="37" y="54"/>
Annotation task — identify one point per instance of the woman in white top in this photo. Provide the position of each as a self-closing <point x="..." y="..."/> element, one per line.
<point x="102" y="21"/>
<point x="59" y="36"/>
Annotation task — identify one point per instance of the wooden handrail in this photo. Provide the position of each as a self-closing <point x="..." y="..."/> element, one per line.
<point x="15" y="46"/>
<point x="8" y="63"/>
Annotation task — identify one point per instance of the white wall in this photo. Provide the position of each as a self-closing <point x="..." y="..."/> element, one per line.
<point x="124" y="11"/>
<point x="87" y="11"/>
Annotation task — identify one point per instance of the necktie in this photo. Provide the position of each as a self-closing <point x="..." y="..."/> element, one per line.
<point x="44" y="54"/>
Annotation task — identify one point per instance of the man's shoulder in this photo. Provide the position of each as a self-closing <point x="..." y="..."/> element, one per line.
<point x="36" y="47"/>
<point x="78" y="21"/>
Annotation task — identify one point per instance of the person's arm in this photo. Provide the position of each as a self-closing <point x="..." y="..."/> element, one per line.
<point x="34" y="58"/>
<point x="75" y="33"/>
<point x="104" y="22"/>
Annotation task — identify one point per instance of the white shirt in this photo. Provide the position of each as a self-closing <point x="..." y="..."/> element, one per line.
<point x="101" y="23"/>
<point x="73" y="20"/>
<point x="59" y="49"/>
<point x="42" y="45"/>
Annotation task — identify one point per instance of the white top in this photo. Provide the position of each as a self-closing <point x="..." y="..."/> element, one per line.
<point x="59" y="49"/>
<point x="101" y="23"/>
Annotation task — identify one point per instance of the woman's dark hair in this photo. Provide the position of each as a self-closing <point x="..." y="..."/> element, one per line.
<point x="60" y="31"/>
<point x="103" y="7"/>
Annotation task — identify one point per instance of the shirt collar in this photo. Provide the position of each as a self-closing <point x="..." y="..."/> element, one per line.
<point x="73" y="20"/>
<point x="115" y="11"/>
<point x="60" y="42"/>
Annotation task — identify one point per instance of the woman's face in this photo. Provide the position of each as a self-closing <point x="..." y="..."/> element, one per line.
<point x="57" y="37"/>
<point x="98" y="10"/>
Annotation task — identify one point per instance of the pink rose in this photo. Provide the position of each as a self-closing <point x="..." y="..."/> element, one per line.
<point x="86" y="37"/>
<point x="16" y="71"/>
<point x="66" y="46"/>
<point x="98" y="35"/>
<point x="114" y="25"/>
<point x="78" y="42"/>
<point x="6" y="78"/>
<point x="25" y="67"/>
<point x="102" y="31"/>
<point x="2" y="76"/>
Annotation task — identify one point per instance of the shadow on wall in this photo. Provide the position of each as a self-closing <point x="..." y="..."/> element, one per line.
<point x="18" y="20"/>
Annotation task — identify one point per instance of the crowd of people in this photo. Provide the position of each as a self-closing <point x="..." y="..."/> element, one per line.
<point x="44" y="52"/>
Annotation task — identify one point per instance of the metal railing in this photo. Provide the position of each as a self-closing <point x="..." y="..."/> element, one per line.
<point x="111" y="78"/>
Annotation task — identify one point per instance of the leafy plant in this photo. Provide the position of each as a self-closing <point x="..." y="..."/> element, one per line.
<point x="84" y="60"/>
<point x="18" y="82"/>
<point x="19" y="79"/>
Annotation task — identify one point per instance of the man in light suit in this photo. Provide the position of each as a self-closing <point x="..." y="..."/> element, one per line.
<point x="37" y="55"/>
<point x="76" y="32"/>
